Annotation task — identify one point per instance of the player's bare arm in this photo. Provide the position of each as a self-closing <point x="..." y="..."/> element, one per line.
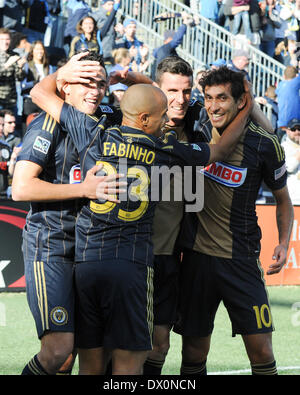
<point x="27" y="186"/>
<point x="128" y="77"/>
<point x="284" y="218"/>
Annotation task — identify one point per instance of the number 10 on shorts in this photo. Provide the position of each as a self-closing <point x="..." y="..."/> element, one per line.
<point x="263" y="316"/>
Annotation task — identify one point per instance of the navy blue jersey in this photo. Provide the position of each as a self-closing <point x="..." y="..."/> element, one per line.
<point x="49" y="233"/>
<point x="105" y="230"/>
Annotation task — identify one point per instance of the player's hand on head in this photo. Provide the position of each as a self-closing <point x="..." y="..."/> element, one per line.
<point x="78" y="71"/>
<point x="105" y="187"/>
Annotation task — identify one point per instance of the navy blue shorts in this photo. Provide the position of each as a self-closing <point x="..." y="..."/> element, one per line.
<point x="166" y="271"/>
<point x="205" y="281"/>
<point x="50" y="295"/>
<point x="114" y="305"/>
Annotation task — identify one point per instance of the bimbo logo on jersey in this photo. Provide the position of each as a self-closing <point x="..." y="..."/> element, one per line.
<point x="228" y="175"/>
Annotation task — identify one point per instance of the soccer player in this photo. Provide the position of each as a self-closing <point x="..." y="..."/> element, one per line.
<point x="187" y="117"/>
<point x="114" y="248"/>
<point x="221" y="244"/>
<point x="48" y="175"/>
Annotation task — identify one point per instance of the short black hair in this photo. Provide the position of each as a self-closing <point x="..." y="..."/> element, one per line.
<point x="173" y="65"/>
<point x="91" y="55"/>
<point x="224" y="75"/>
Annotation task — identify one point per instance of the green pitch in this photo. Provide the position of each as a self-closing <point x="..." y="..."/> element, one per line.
<point x="18" y="341"/>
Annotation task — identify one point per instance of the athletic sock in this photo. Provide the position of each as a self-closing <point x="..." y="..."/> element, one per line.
<point x="198" y="368"/>
<point x="268" y="369"/>
<point x="66" y="372"/>
<point x="153" y="367"/>
<point x="34" y="368"/>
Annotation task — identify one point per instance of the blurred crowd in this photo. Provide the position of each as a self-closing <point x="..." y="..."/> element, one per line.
<point x="32" y="46"/>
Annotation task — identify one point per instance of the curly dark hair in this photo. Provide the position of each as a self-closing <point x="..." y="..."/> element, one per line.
<point x="224" y="75"/>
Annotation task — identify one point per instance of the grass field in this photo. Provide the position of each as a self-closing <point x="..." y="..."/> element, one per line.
<point x="18" y="341"/>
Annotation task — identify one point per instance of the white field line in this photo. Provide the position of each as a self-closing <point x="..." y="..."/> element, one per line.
<point x="233" y="372"/>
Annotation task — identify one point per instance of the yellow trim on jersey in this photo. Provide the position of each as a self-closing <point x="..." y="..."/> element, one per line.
<point x="278" y="148"/>
<point x="49" y="123"/>
<point x="137" y="136"/>
<point x="150" y="273"/>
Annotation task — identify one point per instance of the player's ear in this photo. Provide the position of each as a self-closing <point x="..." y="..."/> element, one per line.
<point x="242" y="101"/>
<point x="66" y="88"/>
<point x="144" y="118"/>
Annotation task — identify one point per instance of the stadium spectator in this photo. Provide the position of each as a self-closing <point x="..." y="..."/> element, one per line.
<point x="210" y="9"/>
<point x="13" y="13"/>
<point x="37" y="19"/>
<point x="291" y="145"/>
<point x="36" y="68"/>
<point x="255" y="24"/>
<point x="271" y="99"/>
<point x="286" y="52"/>
<point x="11" y="135"/>
<point x="10" y="70"/>
<point x="47" y="174"/>
<point x="221" y="243"/>
<point x="107" y="11"/>
<point x="270" y="21"/>
<point x="290" y="22"/>
<point x="19" y="44"/>
<point x="76" y="10"/>
<point x="5" y="154"/>
<point x="138" y="50"/>
<point x="197" y="93"/>
<point x="1" y="124"/>
<point x="172" y="39"/>
<point x="240" y="62"/>
<point x="121" y="60"/>
<point x="218" y="63"/>
<point x="288" y="97"/>
<point x="240" y="10"/>
<point x="117" y="92"/>
<point x="87" y="38"/>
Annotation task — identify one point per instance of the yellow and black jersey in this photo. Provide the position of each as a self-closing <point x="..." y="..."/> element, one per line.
<point x="49" y="233"/>
<point x="227" y="226"/>
<point x="106" y="230"/>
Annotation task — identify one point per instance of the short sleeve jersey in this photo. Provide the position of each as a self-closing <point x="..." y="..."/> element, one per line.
<point x="49" y="234"/>
<point x="105" y="230"/>
<point x="169" y="214"/>
<point x="227" y="226"/>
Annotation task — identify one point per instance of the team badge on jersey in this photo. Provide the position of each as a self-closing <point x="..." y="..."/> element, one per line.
<point x="41" y="144"/>
<point x="106" y="109"/>
<point x="75" y="175"/>
<point x="228" y="175"/>
<point x="59" y="315"/>
<point x="279" y="172"/>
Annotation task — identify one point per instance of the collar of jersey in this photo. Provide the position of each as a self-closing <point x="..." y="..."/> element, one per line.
<point x="127" y="130"/>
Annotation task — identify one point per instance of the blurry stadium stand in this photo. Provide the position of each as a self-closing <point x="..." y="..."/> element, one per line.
<point x="202" y="44"/>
